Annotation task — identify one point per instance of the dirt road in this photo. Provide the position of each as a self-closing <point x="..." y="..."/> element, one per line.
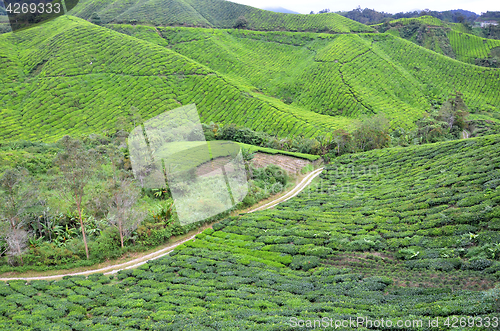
<point x="166" y="250"/>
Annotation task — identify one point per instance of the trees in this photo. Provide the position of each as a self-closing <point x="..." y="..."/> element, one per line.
<point x="18" y="193"/>
<point x="16" y="243"/>
<point x="95" y="19"/>
<point x="342" y="140"/>
<point x="454" y="111"/>
<point x="77" y="167"/>
<point x="372" y="133"/>
<point x="123" y="214"/>
<point x="240" y="23"/>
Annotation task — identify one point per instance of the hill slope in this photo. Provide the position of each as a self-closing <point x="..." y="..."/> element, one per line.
<point x="211" y="13"/>
<point x="449" y="39"/>
<point x="398" y="234"/>
<point x="348" y="75"/>
<point x="71" y="77"/>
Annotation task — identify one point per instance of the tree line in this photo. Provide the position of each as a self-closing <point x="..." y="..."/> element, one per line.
<point x="371" y="16"/>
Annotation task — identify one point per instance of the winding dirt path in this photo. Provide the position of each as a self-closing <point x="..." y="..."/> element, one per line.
<point x="165" y="251"/>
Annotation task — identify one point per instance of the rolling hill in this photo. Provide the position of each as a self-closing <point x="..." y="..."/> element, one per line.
<point x="71" y="77"/>
<point x="450" y="39"/>
<point x="74" y="77"/>
<point x="396" y="235"/>
<point x="211" y="13"/>
<point x="338" y="75"/>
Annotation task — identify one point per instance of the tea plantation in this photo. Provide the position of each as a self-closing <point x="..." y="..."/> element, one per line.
<point x="394" y="234"/>
<point x="450" y="39"/>
<point x="68" y="76"/>
<point x="71" y="77"/>
<point x="212" y="13"/>
<point x="338" y="75"/>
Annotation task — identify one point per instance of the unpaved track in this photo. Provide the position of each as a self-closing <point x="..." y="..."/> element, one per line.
<point x="165" y="251"/>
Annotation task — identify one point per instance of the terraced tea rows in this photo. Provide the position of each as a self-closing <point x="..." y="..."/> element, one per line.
<point x="450" y="39"/>
<point x="74" y="77"/>
<point x="345" y="75"/>
<point x="468" y="47"/>
<point x="213" y="13"/>
<point x="444" y="75"/>
<point x="428" y="20"/>
<point x="394" y="234"/>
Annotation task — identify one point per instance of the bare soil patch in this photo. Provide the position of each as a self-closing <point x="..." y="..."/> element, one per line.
<point x="290" y="164"/>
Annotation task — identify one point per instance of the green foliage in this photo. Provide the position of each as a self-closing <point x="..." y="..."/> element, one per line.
<point x="95" y="19"/>
<point x="293" y="62"/>
<point x="296" y="61"/>
<point x="450" y="39"/>
<point x="306" y="169"/>
<point x="295" y="146"/>
<point x="241" y="22"/>
<point x="449" y="123"/>
<point x="213" y="13"/>
<point x="469" y="48"/>
<point x="265" y="182"/>
<point x="148" y="70"/>
<point x="304" y="262"/>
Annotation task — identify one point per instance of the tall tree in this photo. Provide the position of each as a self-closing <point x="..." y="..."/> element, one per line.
<point x="454" y="111"/>
<point x="372" y="133"/>
<point x="18" y="193"/>
<point x="16" y="243"/>
<point x="77" y="165"/>
<point x="123" y="214"/>
<point x="342" y="140"/>
<point x="241" y="23"/>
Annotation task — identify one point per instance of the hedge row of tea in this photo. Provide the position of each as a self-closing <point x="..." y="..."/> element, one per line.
<point x="468" y="47"/>
<point x="213" y="13"/>
<point x="347" y="75"/>
<point x="394" y="234"/>
<point x="450" y="39"/>
<point x="70" y="77"/>
<point x="439" y="75"/>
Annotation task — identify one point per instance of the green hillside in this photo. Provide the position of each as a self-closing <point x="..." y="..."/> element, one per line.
<point x="471" y="49"/>
<point x="450" y="39"/>
<point x="211" y="13"/>
<point x="346" y="75"/>
<point x="74" y="78"/>
<point x="395" y="234"/>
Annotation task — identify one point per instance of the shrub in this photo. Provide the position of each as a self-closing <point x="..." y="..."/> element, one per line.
<point x="477" y="264"/>
<point x="304" y="262"/>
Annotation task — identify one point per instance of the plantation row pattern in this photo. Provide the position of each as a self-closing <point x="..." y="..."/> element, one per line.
<point x="341" y="249"/>
<point x="347" y="75"/>
<point x="451" y="39"/>
<point x="81" y="80"/>
<point x="212" y="13"/>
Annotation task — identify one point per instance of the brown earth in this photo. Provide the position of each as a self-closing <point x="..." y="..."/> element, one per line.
<point x="292" y="165"/>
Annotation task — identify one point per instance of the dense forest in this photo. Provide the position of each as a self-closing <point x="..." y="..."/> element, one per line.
<point x="371" y="16"/>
